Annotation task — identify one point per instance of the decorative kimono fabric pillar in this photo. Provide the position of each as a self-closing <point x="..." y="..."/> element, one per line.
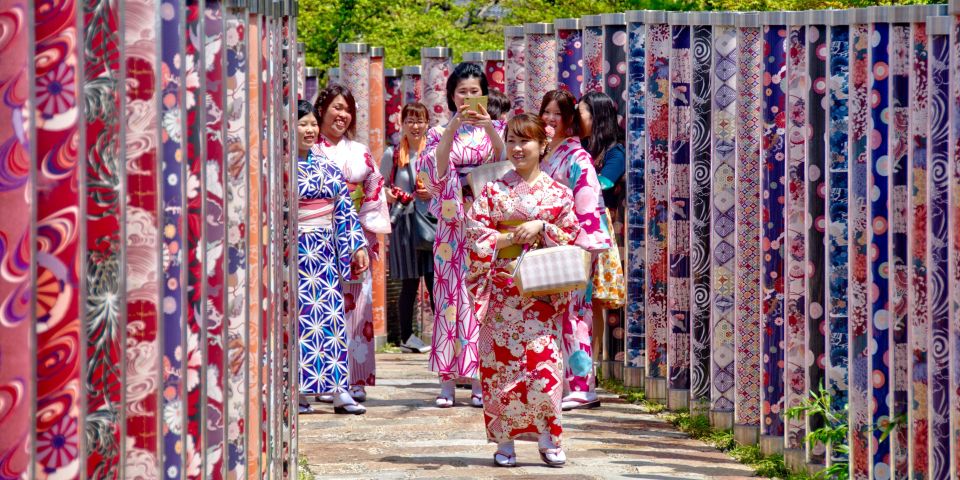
<point x="311" y="85"/>
<point x="857" y="215"/>
<point x="392" y="100"/>
<point x="955" y="236"/>
<point x="748" y="332"/>
<point x="569" y="55"/>
<point x="838" y="182"/>
<point x="636" y="212"/>
<point x="102" y="247"/>
<point x="516" y="68"/>
<point x="678" y="241"/>
<point x="938" y="190"/>
<point x="657" y="157"/>
<point x="16" y="224"/>
<point x="772" y="157"/>
<point x="376" y="145"/>
<point x="333" y="76"/>
<point x="494" y="68"/>
<point x="436" y="68"/>
<point x="816" y="227"/>
<point x="723" y="144"/>
<point x="592" y="54"/>
<point x="541" y="64"/>
<point x="614" y="68"/>
<point x="700" y="149"/>
<point x="301" y="69"/>
<point x="475" y="58"/>
<point x="355" y="75"/>
<point x="797" y="83"/>
<point x="411" y="85"/>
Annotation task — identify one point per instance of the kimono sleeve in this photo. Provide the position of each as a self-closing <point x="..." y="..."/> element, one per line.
<point x="346" y="227"/>
<point x="373" y="213"/>
<point x="481" y="235"/>
<point x="427" y="163"/>
<point x="587" y="203"/>
<point x="563" y="229"/>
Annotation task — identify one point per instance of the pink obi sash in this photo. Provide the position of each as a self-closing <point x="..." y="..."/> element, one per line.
<point x="315" y="212"/>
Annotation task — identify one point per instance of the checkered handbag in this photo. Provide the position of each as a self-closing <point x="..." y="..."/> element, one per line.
<point x="548" y="271"/>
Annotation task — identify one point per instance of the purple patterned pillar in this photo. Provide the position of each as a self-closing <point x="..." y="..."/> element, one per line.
<point x="515" y="83"/>
<point x="541" y="63"/>
<point x="475" y="58"/>
<point x="436" y="68"/>
<point x="355" y="75"/>
<point x="392" y="104"/>
<point x="635" y="269"/>
<point x="592" y="54"/>
<point x="494" y="68"/>
<point x="569" y="54"/>
<point x="955" y="237"/>
<point x="411" y="85"/>
<point x="311" y="84"/>
<point x="614" y="68"/>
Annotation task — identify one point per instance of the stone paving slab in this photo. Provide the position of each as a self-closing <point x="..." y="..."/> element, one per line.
<point x="403" y="436"/>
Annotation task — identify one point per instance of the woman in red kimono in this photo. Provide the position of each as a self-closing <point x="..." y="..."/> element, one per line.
<point x="521" y="362"/>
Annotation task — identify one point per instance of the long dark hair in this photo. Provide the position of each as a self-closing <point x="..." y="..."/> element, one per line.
<point x="567" y="104"/>
<point x="605" y="131"/>
<point x="462" y="72"/>
<point x="327" y="96"/>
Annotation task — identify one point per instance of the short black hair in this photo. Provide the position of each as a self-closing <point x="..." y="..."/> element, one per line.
<point x="462" y="72"/>
<point x="303" y="108"/>
<point x="498" y="104"/>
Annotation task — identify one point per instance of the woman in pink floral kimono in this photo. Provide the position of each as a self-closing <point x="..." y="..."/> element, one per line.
<point x="337" y="112"/>
<point x="521" y="362"/>
<point x="570" y="164"/>
<point x="469" y="140"/>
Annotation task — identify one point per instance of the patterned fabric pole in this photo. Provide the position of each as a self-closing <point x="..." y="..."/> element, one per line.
<point x="541" y="64"/>
<point x="569" y="55"/>
<point x="772" y="155"/>
<point x="636" y="202"/>
<point x="411" y="85"/>
<point x="436" y="68"/>
<point x="678" y="245"/>
<point x="938" y="188"/>
<point x="747" y="335"/>
<point x="311" y="84"/>
<point x="857" y="214"/>
<point x="700" y="195"/>
<point x="816" y="228"/>
<point x="103" y="246"/>
<point x="301" y="70"/>
<point x="795" y="248"/>
<point x="355" y="75"/>
<point x="614" y="68"/>
<point x="838" y="181"/>
<point x="16" y="281"/>
<point x="515" y="82"/>
<point x="723" y="218"/>
<point x="495" y="69"/>
<point x="392" y="99"/>
<point x="955" y="236"/>
<point x="214" y="235"/>
<point x="237" y="204"/>
<point x="377" y="144"/>
<point x="919" y="327"/>
<point x="592" y="54"/>
<point x="657" y="155"/>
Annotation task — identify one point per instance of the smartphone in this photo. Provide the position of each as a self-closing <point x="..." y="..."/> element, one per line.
<point x="474" y="103"/>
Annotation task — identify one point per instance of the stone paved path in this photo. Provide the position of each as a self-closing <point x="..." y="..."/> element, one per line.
<point x="404" y="436"/>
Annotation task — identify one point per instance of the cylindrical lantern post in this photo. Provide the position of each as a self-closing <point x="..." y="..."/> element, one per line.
<point x="592" y="54"/>
<point x="437" y="66"/>
<point x="495" y="70"/>
<point x="392" y="103"/>
<point x="516" y="68"/>
<point x="614" y="69"/>
<point x="569" y="55"/>
<point x="541" y="48"/>
<point x="355" y="75"/>
<point x="411" y="85"/>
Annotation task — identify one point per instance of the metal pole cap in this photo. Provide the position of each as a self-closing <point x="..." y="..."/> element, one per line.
<point x="513" y="31"/>
<point x="472" y="57"/>
<point x="538" y="29"/>
<point x="376" y="52"/>
<point x="748" y="20"/>
<point x="773" y="18"/>
<point x="591" y="21"/>
<point x="859" y="16"/>
<point x="613" y="19"/>
<point x="311" y="71"/>
<point x="939" y="25"/>
<point x="435" y="52"/>
<point x="817" y="17"/>
<point x="678" y="18"/>
<point x="723" y="18"/>
<point x="353" y="48"/>
<point x="655" y="16"/>
<point x="636" y="16"/>
<point x="412" y="70"/>
<point x="566" y="24"/>
<point x="391" y="72"/>
<point x="495" y="55"/>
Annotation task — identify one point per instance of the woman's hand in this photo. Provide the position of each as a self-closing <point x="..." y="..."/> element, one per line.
<point x="422" y="194"/>
<point x="479" y="118"/>
<point x="360" y="262"/>
<point x="390" y="196"/>
<point x="527" y="232"/>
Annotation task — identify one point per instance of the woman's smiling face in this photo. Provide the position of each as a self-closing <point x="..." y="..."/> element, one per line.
<point x="307" y="131"/>
<point x="336" y="119"/>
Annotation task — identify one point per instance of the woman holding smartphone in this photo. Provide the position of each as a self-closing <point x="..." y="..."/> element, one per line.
<point x="469" y="140"/>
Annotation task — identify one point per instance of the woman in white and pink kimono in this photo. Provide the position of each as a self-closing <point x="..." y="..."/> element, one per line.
<point x="469" y="140"/>
<point x="337" y="112"/>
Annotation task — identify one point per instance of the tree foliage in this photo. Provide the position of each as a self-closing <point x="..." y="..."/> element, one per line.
<point x="402" y="27"/>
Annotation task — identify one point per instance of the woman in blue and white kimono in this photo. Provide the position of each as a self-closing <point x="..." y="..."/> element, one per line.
<point x="331" y="248"/>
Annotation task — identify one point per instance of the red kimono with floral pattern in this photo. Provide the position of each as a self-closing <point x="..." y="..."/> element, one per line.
<point x="521" y="362"/>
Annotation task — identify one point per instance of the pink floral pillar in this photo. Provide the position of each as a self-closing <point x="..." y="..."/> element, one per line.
<point x="541" y="62"/>
<point x="392" y="104"/>
<point x="355" y="75"/>
<point x="411" y="85"/>
<point x="516" y="68"/>
<point x="436" y="66"/>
